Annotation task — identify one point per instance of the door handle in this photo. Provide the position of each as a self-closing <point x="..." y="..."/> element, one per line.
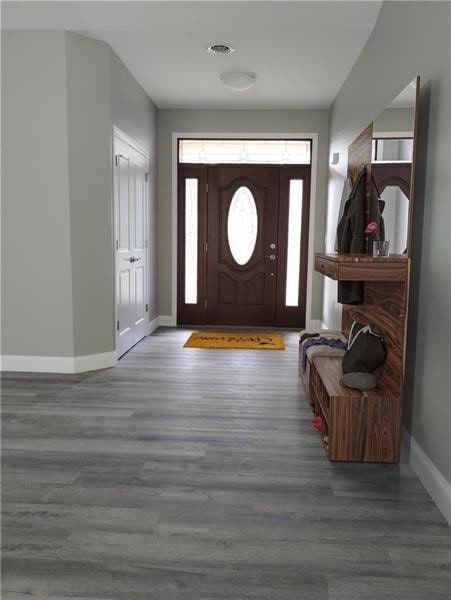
<point x="271" y="256"/>
<point x="133" y="259"/>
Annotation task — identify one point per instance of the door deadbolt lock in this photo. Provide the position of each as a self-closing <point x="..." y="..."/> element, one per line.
<point x="271" y="256"/>
<point x="271" y="274"/>
<point x="272" y="246"/>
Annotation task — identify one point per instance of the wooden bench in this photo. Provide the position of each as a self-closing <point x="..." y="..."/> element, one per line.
<point x="356" y="425"/>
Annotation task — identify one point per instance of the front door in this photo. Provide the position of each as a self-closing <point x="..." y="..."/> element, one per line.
<point x="251" y="239"/>
<point x="243" y="207"/>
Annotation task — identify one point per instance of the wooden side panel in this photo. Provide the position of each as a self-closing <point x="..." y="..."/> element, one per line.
<point x="360" y="426"/>
<point x="359" y="152"/>
<point x="383" y="430"/>
<point x="348" y="417"/>
<point x="384" y="309"/>
<point x="359" y="155"/>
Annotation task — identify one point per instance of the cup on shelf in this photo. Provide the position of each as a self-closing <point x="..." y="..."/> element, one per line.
<point x="380" y="248"/>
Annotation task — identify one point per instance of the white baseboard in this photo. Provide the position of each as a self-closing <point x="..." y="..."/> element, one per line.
<point x="58" y="364"/>
<point x="152" y="325"/>
<point x="167" y="321"/>
<point x="92" y="362"/>
<point x="436" y="485"/>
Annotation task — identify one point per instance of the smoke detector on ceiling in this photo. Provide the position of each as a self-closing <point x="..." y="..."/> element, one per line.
<point x="220" y="49"/>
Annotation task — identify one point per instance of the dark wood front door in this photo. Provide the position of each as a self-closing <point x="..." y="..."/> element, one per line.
<point x="243" y="207"/>
<point x="249" y="217"/>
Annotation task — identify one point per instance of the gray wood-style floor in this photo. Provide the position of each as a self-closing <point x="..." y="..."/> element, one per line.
<point x="196" y="474"/>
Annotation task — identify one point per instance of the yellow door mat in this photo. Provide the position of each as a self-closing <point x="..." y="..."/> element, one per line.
<point x="236" y="340"/>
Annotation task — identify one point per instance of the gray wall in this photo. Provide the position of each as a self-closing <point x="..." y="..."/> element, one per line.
<point x="234" y="121"/>
<point x="62" y="94"/>
<point x="36" y="263"/>
<point x="392" y="58"/>
<point x="135" y="114"/>
<point x="89" y="139"/>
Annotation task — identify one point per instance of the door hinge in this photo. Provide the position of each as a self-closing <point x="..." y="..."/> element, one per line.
<point x="206" y="246"/>
<point x="147" y="308"/>
<point x="206" y="188"/>
<point x="117" y="325"/>
<point x="117" y="244"/>
<point x="146" y="177"/>
<point x="205" y="303"/>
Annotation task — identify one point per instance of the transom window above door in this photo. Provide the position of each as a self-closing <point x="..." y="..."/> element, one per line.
<point x="228" y="151"/>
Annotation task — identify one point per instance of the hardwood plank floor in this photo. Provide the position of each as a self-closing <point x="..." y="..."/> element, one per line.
<point x="196" y="474"/>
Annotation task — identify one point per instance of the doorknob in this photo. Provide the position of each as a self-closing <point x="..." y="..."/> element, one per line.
<point x="271" y="256"/>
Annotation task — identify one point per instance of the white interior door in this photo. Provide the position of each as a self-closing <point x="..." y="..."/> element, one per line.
<point x="131" y="244"/>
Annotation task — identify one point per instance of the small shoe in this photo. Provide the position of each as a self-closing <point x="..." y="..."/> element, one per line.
<point x="317" y="423"/>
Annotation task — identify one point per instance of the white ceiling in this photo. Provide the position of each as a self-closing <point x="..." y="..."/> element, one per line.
<point x="301" y="52"/>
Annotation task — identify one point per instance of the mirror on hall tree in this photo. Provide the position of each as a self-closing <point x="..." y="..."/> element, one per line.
<point x="392" y="165"/>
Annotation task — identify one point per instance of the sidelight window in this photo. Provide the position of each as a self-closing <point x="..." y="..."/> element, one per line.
<point x="294" y="243"/>
<point x="191" y="239"/>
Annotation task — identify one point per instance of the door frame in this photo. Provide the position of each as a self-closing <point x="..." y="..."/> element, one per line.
<point x="116" y="132"/>
<point x="171" y="320"/>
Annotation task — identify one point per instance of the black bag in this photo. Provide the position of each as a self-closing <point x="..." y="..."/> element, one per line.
<point x="366" y="350"/>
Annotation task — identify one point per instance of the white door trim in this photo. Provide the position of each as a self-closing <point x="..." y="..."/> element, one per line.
<point x="171" y="320"/>
<point x="130" y="141"/>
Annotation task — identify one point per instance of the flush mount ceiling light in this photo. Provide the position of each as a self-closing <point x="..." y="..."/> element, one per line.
<point x="238" y="81"/>
<point x="220" y="49"/>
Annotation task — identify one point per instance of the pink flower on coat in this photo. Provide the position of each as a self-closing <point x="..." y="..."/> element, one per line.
<point x="371" y="227"/>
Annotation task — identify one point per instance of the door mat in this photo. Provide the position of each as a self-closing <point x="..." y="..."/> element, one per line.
<point x="235" y="340"/>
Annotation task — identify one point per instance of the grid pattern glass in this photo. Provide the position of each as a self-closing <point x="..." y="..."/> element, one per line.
<point x="283" y="152"/>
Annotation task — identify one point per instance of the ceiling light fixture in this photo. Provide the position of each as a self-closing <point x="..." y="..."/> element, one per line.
<point x="220" y="49"/>
<point x="238" y="81"/>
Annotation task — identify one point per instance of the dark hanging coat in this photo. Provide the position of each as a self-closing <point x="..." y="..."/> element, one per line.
<point x="351" y="238"/>
<point x="376" y="209"/>
<point x="351" y="232"/>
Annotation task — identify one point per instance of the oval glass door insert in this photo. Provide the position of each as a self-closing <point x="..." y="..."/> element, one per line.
<point x="242" y="225"/>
